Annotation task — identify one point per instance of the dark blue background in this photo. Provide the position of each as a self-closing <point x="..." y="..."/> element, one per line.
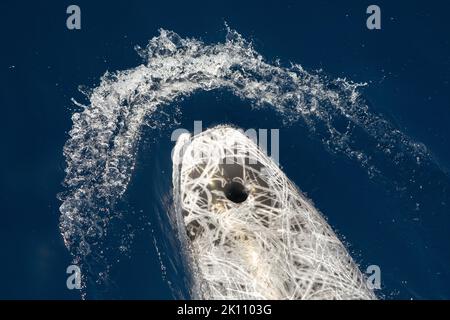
<point x="42" y="64"/>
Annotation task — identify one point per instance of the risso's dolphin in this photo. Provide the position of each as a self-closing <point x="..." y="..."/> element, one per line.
<point x="248" y="231"/>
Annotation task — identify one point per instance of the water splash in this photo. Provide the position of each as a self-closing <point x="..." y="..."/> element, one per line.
<point x="102" y="145"/>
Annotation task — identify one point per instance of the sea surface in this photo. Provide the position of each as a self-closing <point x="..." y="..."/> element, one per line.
<point x="363" y="118"/>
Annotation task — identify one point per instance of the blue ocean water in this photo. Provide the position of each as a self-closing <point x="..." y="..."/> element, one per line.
<point x="398" y="220"/>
